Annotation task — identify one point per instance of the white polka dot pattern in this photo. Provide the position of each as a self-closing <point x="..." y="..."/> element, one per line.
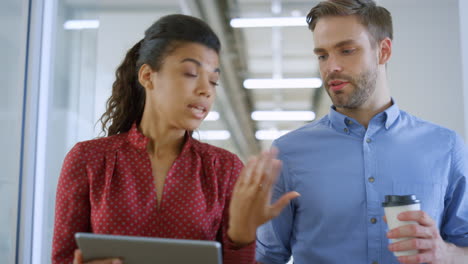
<point x="106" y="186"/>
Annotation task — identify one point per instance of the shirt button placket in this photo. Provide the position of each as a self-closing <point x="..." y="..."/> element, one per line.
<point x="373" y="224"/>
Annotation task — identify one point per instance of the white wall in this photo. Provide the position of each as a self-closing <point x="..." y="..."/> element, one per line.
<point x="463" y="9"/>
<point x="118" y="32"/>
<point x="425" y="70"/>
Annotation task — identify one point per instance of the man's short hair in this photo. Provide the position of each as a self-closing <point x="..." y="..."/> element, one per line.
<point x="376" y="19"/>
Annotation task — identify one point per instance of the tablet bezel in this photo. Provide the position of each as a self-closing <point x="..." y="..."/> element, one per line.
<point x="142" y="250"/>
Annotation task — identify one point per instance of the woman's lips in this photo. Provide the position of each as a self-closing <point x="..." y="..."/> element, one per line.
<point x="198" y="112"/>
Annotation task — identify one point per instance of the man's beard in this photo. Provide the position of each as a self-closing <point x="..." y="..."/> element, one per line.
<point x="364" y="87"/>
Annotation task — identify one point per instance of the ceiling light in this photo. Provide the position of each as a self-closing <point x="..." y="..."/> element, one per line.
<point x="214" y="134"/>
<point x="296" y="13"/>
<point x="80" y="24"/>
<point x="283" y="83"/>
<point x="212" y="116"/>
<point x="270" y="134"/>
<point x="283" y="115"/>
<point x="268" y="22"/>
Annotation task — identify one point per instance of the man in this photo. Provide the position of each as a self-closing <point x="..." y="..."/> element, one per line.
<point x="365" y="148"/>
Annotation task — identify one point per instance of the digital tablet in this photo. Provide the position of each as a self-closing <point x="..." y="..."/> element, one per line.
<point x="147" y="250"/>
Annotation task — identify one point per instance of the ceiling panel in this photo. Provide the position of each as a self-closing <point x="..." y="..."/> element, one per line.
<point x="295" y="54"/>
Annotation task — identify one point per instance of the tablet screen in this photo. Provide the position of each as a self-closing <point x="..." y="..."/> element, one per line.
<point x="147" y="250"/>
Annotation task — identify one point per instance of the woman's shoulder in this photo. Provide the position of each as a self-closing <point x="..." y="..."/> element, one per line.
<point x="100" y="145"/>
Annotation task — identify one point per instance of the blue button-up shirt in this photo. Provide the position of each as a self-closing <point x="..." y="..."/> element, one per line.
<point x="343" y="172"/>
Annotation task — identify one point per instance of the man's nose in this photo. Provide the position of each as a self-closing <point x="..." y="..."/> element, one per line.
<point x="333" y="65"/>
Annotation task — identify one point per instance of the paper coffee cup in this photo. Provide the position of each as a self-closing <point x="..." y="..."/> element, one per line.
<point x="394" y="205"/>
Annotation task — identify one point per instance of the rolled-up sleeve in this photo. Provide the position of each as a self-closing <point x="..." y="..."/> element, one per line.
<point x="455" y="225"/>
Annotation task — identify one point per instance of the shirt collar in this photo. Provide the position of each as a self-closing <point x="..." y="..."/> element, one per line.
<point x="140" y="141"/>
<point x="341" y="121"/>
<point x="338" y="120"/>
<point x="392" y="113"/>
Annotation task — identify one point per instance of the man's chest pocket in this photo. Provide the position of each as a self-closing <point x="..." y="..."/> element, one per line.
<point x="431" y="196"/>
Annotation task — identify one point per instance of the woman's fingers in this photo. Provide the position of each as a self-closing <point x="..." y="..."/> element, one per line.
<point x="265" y="168"/>
<point x="78" y="258"/>
<point x="106" y="261"/>
<point x="251" y="201"/>
<point x="269" y="164"/>
<point x="272" y="176"/>
<point x="278" y="206"/>
<point x="260" y="167"/>
<point x="256" y="182"/>
<point x="247" y="171"/>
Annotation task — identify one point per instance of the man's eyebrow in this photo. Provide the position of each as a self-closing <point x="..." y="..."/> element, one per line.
<point x="344" y="43"/>
<point x="198" y="63"/>
<point x="319" y="50"/>
<point x="337" y="45"/>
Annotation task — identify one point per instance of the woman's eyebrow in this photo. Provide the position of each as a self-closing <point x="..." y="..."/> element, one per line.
<point x="199" y="64"/>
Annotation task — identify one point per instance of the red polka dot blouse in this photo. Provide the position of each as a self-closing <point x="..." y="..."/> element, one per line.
<point x="106" y="186"/>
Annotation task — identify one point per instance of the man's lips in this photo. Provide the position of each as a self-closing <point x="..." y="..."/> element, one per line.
<point x="337" y="85"/>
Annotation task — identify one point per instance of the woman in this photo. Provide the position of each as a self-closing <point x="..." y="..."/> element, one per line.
<point x="149" y="177"/>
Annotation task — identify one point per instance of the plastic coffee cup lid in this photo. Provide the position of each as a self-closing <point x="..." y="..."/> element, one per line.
<point x="399" y="200"/>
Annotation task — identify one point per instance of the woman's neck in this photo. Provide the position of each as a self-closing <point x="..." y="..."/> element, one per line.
<point x="163" y="140"/>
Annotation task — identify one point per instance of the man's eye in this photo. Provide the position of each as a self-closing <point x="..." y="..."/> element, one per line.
<point x="190" y="75"/>
<point x="348" y="51"/>
<point x="321" y="57"/>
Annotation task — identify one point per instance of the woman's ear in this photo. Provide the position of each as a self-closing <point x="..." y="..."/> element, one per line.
<point x="144" y="76"/>
<point x="385" y="50"/>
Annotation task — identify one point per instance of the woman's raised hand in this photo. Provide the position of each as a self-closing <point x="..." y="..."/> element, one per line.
<point x="250" y="204"/>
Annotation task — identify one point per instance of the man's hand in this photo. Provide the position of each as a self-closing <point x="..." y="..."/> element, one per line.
<point x="426" y="238"/>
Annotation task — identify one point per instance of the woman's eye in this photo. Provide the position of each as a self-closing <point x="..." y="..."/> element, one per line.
<point x="190" y="75"/>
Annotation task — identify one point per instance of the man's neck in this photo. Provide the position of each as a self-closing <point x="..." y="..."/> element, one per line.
<point x="378" y="102"/>
<point x="367" y="111"/>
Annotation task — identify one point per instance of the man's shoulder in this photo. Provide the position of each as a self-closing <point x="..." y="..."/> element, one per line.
<point x="313" y="128"/>
<point x="414" y="122"/>
<point x="429" y="131"/>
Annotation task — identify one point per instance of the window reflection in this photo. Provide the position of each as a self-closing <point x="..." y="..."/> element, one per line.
<point x="13" y="13"/>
